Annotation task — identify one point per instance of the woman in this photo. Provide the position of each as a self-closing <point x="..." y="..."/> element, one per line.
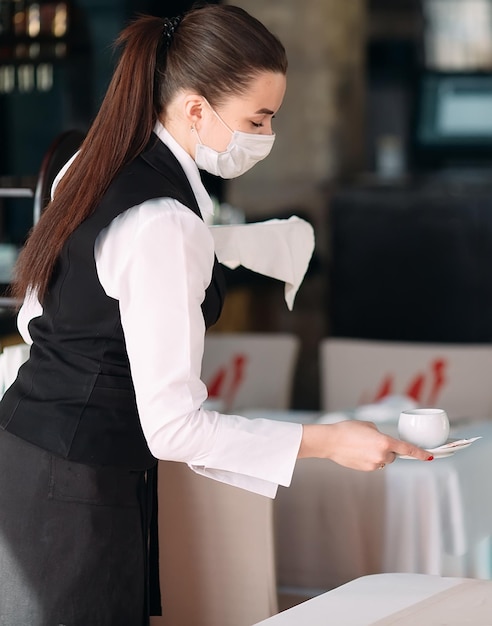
<point x="120" y="282"/>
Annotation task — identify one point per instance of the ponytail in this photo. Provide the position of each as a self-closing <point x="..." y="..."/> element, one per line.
<point x="215" y="50"/>
<point x="118" y="134"/>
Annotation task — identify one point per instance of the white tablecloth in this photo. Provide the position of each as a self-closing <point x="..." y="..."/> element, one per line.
<point x="444" y="511"/>
<point x="365" y="601"/>
<point x="333" y="524"/>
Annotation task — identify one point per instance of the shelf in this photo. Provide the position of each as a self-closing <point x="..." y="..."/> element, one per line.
<point x="16" y="192"/>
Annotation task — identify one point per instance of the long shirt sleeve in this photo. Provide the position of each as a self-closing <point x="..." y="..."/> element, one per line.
<point x="156" y="259"/>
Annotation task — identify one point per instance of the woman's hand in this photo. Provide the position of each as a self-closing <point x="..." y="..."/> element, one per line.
<point x="354" y="444"/>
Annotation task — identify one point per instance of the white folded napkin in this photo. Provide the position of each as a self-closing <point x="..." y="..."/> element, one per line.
<point x="388" y="409"/>
<point x="455" y="443"/>
<point x="279" y="248"/>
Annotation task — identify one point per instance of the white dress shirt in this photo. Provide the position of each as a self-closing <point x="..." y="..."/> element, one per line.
<point x="158" y="248"/>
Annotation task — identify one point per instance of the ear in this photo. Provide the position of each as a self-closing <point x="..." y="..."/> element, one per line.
<point x="193" y="108"/>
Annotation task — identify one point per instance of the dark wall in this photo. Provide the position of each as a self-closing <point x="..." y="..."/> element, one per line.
<point x="412" y="263"/>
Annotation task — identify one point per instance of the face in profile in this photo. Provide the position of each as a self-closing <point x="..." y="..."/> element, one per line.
<point x="251" y="112"/>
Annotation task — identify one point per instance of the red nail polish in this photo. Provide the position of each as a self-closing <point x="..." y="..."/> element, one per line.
<point x="431" y="458"/>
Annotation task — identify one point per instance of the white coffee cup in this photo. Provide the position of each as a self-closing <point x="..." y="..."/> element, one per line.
<point x="426" y="428"/>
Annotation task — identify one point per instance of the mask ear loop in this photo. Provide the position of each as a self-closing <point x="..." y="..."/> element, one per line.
<point x="218" y="116"/>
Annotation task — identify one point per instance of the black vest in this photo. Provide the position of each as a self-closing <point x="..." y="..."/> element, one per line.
<point x="75" y="396"/>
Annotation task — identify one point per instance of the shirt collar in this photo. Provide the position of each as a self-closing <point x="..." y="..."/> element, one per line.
<point x="190" y="169"/>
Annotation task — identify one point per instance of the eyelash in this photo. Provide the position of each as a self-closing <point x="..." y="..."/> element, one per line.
<point x="260" y="124"/>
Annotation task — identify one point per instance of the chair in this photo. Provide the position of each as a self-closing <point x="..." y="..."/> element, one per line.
<point x="58" y="153"/>
<point x="455" y="377"/>
<point x="217" y="560"/>
<point x="64" y="146"/>
<point x="250" y="370"/>
<point x="60" y="150"/>
<point x="216" y="542"/>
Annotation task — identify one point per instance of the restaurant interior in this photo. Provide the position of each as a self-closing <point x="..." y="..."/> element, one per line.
<point x="384" y="146"/>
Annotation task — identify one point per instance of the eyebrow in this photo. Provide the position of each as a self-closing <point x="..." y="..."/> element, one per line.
<point x="264" y="112"/>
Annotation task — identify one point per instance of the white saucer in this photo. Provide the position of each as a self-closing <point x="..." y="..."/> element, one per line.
<point x="447" y="449"/>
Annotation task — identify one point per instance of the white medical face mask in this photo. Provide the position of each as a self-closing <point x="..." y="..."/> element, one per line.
<point x="243" y="151"/>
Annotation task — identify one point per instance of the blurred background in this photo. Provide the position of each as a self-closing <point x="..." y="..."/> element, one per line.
<point x="384" y="143"/>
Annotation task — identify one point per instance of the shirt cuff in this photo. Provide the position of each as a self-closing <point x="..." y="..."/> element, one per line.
<point x="258" y="458"/>
<point x="255" y="485"/>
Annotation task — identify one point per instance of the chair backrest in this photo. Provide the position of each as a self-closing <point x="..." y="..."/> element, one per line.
<point x="456" y="377"/>
<point x="216" y="542"/>
<point x="250" y="370"/>
<point x="64" y="146"/>
<point x="217" y="557"/>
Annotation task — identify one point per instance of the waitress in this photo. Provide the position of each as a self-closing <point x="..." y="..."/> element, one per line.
<point x="120" y="281"/>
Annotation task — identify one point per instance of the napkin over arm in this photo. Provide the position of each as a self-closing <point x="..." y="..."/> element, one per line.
<point x="278" y="248"/>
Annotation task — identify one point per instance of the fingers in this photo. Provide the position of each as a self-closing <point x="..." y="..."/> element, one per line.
<point x="387" y="459"/>
<point x="398" y="447"/>
<point x="390" y="458"/>
<point x="405" y="450"/>
<point x="354" y="444"/>
<point x="402" y="448"/>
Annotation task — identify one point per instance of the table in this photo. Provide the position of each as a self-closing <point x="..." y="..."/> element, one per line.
<point x="333" y="525"/>
<point x="402" y="599"/>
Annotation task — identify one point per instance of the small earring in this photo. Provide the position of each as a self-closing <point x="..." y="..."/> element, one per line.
<point x="192" y="128"/>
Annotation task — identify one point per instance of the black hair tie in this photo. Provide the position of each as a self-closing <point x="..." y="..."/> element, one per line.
<point x="170" y="25"/>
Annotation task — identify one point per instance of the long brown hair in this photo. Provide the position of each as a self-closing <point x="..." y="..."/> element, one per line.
<point x="215" y="50"/>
